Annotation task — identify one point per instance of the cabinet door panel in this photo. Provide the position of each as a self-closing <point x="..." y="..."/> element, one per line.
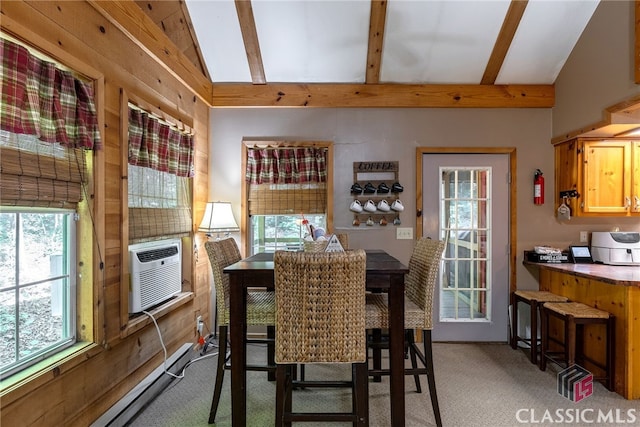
<point x="607" y="176"/>
<point x="566" y="169"/>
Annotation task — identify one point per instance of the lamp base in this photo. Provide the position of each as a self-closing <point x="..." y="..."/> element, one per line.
<point x="210" y="235"/>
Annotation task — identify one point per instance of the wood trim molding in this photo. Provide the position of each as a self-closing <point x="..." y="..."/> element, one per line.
<point x="382" y="96"/>
<point x="141" y="30"/>
<point x="124" y="212"/>
<point x="618" y="119"/>
<point x="194" y="38"/>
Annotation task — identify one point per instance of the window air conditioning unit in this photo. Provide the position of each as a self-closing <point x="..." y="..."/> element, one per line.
<point x="155" y="273"/>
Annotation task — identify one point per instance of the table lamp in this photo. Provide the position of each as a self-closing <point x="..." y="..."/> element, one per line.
<point x="218" y="218"/>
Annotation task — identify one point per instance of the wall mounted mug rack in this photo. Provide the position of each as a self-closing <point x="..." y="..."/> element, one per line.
<point x="378" y="182"/>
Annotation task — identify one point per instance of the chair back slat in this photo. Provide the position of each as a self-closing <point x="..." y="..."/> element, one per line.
<point x="320" y="306"/>
<point x="422" y="278"/>
<point x="222" y="253"/>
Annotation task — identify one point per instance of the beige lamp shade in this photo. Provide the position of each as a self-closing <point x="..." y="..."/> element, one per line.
<point x="218" y="218"/>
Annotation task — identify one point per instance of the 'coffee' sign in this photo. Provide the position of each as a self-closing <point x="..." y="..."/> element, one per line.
<point x="375" y="166"/>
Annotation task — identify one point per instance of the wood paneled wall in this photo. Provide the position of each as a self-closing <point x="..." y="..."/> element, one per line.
<point x="82" y="34"/>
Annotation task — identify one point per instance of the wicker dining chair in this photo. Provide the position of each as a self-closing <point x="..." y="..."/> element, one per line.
<point x="420" y="284"/>
<point x="320" y="318"/>
<point x="260" y="312"/>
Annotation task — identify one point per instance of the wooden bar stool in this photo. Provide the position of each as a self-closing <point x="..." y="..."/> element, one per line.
<point x="535" y="299"/>
<point x="575" y="315"/>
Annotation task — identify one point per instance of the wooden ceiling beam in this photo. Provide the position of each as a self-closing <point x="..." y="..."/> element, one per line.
<point x="382" y="96"/>
<point x="141" y="30"/>
<point x="503" y="42"/>
<point x="377" y="20"/>
<point x="250" y="38"/>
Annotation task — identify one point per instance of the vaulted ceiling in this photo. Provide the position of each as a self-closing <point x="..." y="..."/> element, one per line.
<point x="370" y="53"/>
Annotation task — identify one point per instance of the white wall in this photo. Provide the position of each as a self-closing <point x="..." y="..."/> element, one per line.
<point x="394" y="134"/>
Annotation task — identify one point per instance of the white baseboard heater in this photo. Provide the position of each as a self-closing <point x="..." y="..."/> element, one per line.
<point x="155" y="273"/>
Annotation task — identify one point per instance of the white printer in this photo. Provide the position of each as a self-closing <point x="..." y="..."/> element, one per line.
<point x="616" y="247"/>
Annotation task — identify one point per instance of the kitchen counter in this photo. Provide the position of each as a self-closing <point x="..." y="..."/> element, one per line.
<point x="615" y="274"/>
<point x="612" y="288"/>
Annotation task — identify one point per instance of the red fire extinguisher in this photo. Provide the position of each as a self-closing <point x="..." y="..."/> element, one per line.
<point x="538" y="188"/>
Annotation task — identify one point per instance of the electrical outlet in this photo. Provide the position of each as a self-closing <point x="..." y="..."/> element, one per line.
<point x="404" y="233"/>
<point x="584" y="236"/>
<point x="199" y="324"/>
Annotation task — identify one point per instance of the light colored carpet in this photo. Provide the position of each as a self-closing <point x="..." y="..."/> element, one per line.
<point x="478" y="385"/>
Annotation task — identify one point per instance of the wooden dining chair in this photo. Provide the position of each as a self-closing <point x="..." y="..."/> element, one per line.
<point x="420" y="285"/>
<point x="320" y="318"/>
<point x="260" y="312"/>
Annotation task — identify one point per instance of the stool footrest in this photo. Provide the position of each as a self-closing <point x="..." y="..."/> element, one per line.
<point x="574" y="316"/>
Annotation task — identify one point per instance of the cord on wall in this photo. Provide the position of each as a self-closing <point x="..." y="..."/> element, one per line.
<point x="181" y="375"/>
<point x="164" y="349"/>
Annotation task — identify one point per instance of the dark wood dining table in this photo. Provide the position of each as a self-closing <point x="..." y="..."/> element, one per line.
<point x="384" y="274"/>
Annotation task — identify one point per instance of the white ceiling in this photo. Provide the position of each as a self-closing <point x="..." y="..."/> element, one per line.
<point x="425" y="41"/>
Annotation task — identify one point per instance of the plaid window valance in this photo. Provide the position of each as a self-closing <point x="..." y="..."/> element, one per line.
<point x="42" y="99"/>
<point x="157" y="145"/>
<point x="286" y="165"/>
<point x="287" y="180"/>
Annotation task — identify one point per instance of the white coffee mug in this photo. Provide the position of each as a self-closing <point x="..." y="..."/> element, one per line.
<point x="397" y="206"/>
<point x="383" y="206"/>
<point x="370" y="206"/>
<point x="356" y="206"/>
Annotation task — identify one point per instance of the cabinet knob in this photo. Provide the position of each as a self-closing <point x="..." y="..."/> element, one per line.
<point x="637" y="204"/>
<point x="627" y="202"/>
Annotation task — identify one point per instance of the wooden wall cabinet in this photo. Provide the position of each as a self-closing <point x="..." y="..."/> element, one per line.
<point x="604" y="172"/>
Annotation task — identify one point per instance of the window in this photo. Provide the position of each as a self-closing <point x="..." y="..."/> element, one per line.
<point x="160" y="167"/>
<point x="150" y="188"/>
<point x="37" y="285"/>
<point x="286" y="183"/>
<point x="49" y="131"/>
<point x="157" y="154"/>
<point x="270" y="233"/>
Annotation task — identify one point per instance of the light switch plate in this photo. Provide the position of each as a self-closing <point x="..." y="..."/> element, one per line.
<point x="404" y="233"/>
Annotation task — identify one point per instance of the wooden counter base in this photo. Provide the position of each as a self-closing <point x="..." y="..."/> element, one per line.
<point x="615" y="289"/>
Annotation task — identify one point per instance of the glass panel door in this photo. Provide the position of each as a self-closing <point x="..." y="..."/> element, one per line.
<point x="466" y="203"/>
<point x="465" y="291"/>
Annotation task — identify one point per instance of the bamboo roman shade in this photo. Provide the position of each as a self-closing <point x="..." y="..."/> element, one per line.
<point x="287" y="199"/>
<point x="287" y="180"/>
<point x="146" y="222"/>
<point x="158" y="145"/>
<point x="48" y="176"/>
<point x="47" y="119"/>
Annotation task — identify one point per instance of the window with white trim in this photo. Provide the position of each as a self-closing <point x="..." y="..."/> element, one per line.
<point x="49" y="125"/>
<point x="37" y="285"/>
